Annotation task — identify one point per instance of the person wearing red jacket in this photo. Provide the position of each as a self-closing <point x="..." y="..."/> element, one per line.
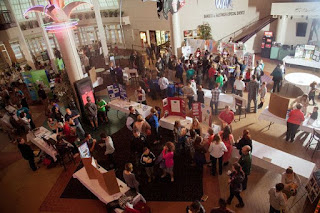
<point x="295" y="119"/>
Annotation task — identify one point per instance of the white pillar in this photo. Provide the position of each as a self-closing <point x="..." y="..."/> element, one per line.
<point x="46" y="39"/>
<point x="176" y="31"/>
<point x="103" y="39"/>
<point x="22" y="41"/>
<point x="69" y="54"/>
<point x="281" y="29"/>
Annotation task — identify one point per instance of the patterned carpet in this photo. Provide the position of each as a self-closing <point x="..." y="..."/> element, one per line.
<point x="187" y="187"/>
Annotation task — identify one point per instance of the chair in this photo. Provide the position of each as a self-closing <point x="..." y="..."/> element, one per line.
<point x="62" y="153"/>
<point x="240" y="107"/>
<point x="134" y="79"/>
<point x="315" y="136"/>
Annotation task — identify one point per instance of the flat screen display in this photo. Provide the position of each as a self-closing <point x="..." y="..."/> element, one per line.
<point x="84" y="151"/>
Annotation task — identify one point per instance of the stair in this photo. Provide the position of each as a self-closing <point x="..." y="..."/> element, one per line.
<point x="254" y="29"/>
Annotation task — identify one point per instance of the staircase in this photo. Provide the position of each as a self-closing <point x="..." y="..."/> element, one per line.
<point x="245" y="33"/>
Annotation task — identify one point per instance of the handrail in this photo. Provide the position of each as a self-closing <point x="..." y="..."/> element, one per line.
<point x="247" y="26"/>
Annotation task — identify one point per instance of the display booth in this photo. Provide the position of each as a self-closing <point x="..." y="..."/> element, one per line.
<point x="84" y="89"/>
<point x="117" y="91"/>
<point x="174" y="106"/>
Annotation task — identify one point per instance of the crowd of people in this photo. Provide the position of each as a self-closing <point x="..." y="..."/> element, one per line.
<point x="222" y="73"/>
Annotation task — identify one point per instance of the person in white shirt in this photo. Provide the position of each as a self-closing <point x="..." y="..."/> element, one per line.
<point x="163" y="83"/>
<point x="108" y="143"/>
<point x="216" y="150"/>
<point x="132" y="117"/>
<point x="140" y="95"/>
<point x="277" y="199"/>
<point x="189" y="92"/>
<point x="239" y="86"/>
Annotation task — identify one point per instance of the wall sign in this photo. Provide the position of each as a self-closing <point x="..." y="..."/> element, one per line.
<point x="223" y="4"/>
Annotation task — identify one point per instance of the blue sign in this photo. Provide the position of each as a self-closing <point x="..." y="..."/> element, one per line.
<point x="223" y="4"/>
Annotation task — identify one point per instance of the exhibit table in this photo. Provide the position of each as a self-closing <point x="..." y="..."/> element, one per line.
<point x="168" y="123"/>
<point x="307" y="126"/>
<point x="224" y="99"/>
<point x="36" y="137"/>
<point x="301" y="80"/>
<point x="278" y="161"/>
<point x="123" y="106"/>
<point x="301" y="62"/>
<point x="93" y="186"/>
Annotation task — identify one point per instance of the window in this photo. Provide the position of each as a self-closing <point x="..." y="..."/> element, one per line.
<point x="301" y="29"/>
<point x="19" y="7"/>
<point x="16" y="49"/>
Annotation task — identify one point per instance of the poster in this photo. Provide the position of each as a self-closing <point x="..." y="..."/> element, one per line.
<point x="88" y="94"/>
<point x="196" y="111"/>
<point x="186" y="51"/>
<point x="249" y="59"/>
<point x="188" y="33"/>
<point x="175" y="106"/>
<point x="206" y="114"/>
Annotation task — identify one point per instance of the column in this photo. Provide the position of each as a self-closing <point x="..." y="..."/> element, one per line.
<point x="9" y="50"/>
<point x="22" y="41"/>
<point x="281" y="29"/>
<point x="103" y="39"/>
<point x="70" y="55"/>
<point x="176" y="33"/>
<point x="79" y="37"/>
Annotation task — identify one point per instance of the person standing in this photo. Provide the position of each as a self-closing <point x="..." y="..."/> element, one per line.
<point x="102" y="110"/>
<point x="263" y="91"/>
<point x="219" y="80"/>
<point x="142" y="126"/>
<point x="43" y="96"/>
<point x="235" y="181"/>
<point x="244" y="140"/>
<point x="253" y="92"/>
<point x="147" y="160"/>
<point x="27" y="153"/>
<point x="132" y="117"/>
<point x="179" y="71"/>
<point x="277" y="78"/>
<point x="154" y="123"/>
<point x="222" y="207"/>
<point x="200" y="95"/>
<point x="277" y="199"/>
<point x="189" y="92"/>
<point x="28" y="114"/>
<point x="108" y="143"/>
<point x="226" y="116"/>
<point x="303" y="100"/>
<point x="211" y="76"/>
<point x="160" y="66"/>
<point x="312" y="92"/>
<point x="245" y="162"/>
<point x="119" y="74"/>
<point x="239" y="86"/>
<point x="74" y="117"/>
<point x="167" y="155"/>
<point x="92" y="113"/>
<point x="149" y="54"/>
<point x="215" y="99"/>
<point x="216" y="150"/>
<point x="163" y="84"/>
<point x="227" y="139"/>
<point x="190" y="73"/>
<point x="140" y="95"/>
<point x="130" y="178"/>
<point x="295" y="119"/>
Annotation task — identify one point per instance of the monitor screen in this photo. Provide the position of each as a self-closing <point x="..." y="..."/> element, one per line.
<point x="84" y="151"/>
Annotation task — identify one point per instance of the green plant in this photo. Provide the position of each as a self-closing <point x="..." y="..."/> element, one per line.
<point x="205" y="31"/>
<point x="110" y="13"/>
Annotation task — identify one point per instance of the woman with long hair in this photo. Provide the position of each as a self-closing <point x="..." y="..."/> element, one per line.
<point x="199" y="152"/>
<point x="196" y="126"/>
<point x="167" y="155"/>
<point x="217" y="150"/>
<point x="244" y="140"/>
<point x="228" y="141"/>
<point x="235" y="182"/>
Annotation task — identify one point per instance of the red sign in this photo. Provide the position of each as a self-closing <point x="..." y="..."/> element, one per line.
<point x="196" y="111"/>
<point x="268" y="33"/>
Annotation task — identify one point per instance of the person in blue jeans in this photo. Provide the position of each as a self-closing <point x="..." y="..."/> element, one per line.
<point x="74" y="116"/>
<point x="154" y="123"/>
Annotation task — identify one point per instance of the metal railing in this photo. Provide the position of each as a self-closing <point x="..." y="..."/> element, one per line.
<point x="239" y="31"/>
<point x="6" y="20"/>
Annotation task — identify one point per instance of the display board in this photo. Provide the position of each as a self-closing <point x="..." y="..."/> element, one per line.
<point x="117" y="91"/>
<point x="174" y="106"/>
<point x="278" y="105"/>
<point x="249" y="59"/>
<point x="32" y="79"/>
<point x="197" y="111"/>
<point x="313" y="186"/>
<point x="206" y="114"/>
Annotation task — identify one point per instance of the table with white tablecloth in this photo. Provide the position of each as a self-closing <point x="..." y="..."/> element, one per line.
<point x="36" y="137"/>
<point x="224" y="99"/>
<point x="93" y="186"/>
<point x="301" y="80"/>
<point x="307" y="126"/>
<point x="123" y="106"/>
<point x="168" y="123"/>
<point x="301" y="62"/>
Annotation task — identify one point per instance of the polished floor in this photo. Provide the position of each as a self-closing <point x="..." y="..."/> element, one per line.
<point x="25" y="191"/>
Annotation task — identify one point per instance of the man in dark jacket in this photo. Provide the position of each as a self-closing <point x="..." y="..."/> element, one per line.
<point x="27" y="153"/>
<point x="245" y="162"/>
<point x="277" y="78"/>
<point x="91" y="111"/>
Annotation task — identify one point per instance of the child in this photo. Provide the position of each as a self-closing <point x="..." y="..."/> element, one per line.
<point x="147" y="160"/>
<point x="27" y="153"/>
<point x="167" y="155"/>
<point x="312" y="92"/>
<point x="263" y="92"/>
<point x="314" y="114"/>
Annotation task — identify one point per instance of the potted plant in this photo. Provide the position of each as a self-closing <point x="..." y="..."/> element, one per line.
<point x="110" y="13"/>
<point x="64" y="91"/>
<point x="205" y="31"/>
<point x="116" y="13"/>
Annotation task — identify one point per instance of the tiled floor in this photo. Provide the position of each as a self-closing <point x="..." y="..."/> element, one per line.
<point x="24" y="191"/>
